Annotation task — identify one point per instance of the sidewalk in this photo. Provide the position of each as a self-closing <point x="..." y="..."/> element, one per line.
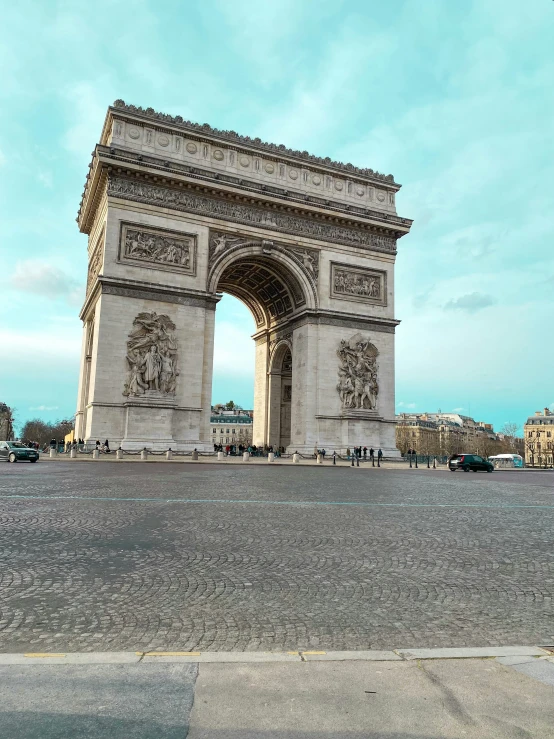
<point x="311" y="695"/>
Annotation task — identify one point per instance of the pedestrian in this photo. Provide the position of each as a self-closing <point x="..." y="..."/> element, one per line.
<point x="365" y="452"/>
<point x="379" y="455"/>
<point x="323" y="452"/>
<point x="348" y="453"/>
<point x="371" y="453"/>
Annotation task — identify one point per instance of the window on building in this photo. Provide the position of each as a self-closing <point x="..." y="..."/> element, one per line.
<point x="214" y="431"/>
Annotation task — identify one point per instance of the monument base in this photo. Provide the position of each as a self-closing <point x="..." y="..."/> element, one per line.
<point x="352" y="428"/>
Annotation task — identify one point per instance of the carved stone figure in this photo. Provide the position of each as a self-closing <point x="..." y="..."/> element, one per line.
<point x="358" y="387"/>
<point x="151" y="355"/>
<point x="150" y="246"/>
<point x="309" y="259"/>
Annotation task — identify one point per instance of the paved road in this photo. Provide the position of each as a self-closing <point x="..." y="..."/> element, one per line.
<point x="208" y="557"/>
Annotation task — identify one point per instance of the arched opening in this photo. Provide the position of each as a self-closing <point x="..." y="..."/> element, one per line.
<point x="275" y="290"/>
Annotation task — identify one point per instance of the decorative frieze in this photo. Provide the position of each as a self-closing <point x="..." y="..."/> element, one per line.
<point x="356" y="283"/>
<point x="162" y="249"/>
<point x="248" y="214"/>
<point x="358" y="387"/>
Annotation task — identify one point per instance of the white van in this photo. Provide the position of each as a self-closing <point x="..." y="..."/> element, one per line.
<point x="507" y="460"/>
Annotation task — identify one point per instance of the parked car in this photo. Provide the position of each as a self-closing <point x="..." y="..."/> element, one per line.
<point x="467" y="462"/>
<point x="16" y="451"/>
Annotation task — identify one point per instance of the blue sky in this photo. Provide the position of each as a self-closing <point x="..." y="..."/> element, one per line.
<point x="454" y="98"/>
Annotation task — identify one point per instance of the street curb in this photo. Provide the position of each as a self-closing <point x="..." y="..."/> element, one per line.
<point x="397" y="655"/>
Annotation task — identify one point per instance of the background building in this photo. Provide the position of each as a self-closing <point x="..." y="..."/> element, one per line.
<point x="539" y="436"/>
<point x="446" y="433"/>
<point x="231" y="426"/>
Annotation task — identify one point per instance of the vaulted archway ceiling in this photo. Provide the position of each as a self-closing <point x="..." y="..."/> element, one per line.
<point x="268" y="289"/>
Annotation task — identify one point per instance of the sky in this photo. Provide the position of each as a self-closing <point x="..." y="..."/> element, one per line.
<point x="454" y="98"/>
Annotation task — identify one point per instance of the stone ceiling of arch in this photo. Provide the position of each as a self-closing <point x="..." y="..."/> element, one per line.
<point x="270" y="293"/>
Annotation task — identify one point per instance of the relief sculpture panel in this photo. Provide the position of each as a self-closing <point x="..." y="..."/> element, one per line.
<point x="151" y="357"/>
<point x="365" y="285"/>
<point x="170" y="250"/>
<point x="358" y="386"/>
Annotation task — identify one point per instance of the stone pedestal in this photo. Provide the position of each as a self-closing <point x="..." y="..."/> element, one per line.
<point x="220" y="456"/>
<point x="245" y="457"/>
<point x="271" y="457"/>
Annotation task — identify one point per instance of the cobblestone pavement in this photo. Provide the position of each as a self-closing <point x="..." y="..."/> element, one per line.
<point x="209" y="557"/>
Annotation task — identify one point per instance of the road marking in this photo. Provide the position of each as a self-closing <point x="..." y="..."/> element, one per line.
<point x="304" y="652"/>
<point x="168" y="654"/>
<point x="43" y="654"/>
<point x="306" y="503"/>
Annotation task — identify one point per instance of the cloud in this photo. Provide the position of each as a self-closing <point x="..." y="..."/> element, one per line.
<point x="43" y="278"/>
<point x="44" y="408"/>
<point x="457" y="410"/>
<point x="471" y="303"/>
<point x="406" y="405"/>
<point x="45" y="178"/>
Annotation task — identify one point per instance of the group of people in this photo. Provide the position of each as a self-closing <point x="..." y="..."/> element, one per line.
<point x="359" y="452"/>
<point x="252" y="449"/>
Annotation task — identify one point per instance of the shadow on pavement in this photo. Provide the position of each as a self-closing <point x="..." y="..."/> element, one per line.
<point x="42" y="725"/>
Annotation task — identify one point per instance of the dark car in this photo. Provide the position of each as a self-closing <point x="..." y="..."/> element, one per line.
<point x="467" y="462"/>
<point x="16" y="451"/>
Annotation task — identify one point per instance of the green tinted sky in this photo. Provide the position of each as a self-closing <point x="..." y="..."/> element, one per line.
<point x="454" y="98"/>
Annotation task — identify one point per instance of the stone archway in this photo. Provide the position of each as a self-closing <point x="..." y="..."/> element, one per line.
<point x="177" y="213"/>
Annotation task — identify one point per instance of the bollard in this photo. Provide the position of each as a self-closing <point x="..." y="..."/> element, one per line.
<point x="73" y="454"/>
<point x="53" y="453"/>
<point x="296" y="458"/>
<point x="271" y="457"/>
<point x="220" y="456"/>
<point x="119" y="453"/>
<point x="169" y="454"/>
<point x="427" y="461"/>
<point x="410" y="456"/>
<point x="319" y="459"/>
<point x="378" y="461"/>
<point x="96" y="454"/>
<point x="352" y="460"/>
<point x="416" y="462"/>
<point x="357" y="461"/>
<point x="195" y="456"/>
<point x="144" y="455"/>
<point x="434" y="463"/>
<point x="373" y="461"/>
<point x="246" y="456"/>
<point x="334" y="458"/>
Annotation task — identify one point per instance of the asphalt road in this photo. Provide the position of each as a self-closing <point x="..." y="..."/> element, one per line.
<point x="213" y="557"/>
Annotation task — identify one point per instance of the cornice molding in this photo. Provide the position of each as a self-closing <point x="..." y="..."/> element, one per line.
<point x="252" y="215"/>
<point x="150" y="291"/>
<point x="120" y="156"/>
<point x="236" y="138"/>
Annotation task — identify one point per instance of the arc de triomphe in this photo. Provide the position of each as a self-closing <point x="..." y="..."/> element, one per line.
<point x="177" y="213"/>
